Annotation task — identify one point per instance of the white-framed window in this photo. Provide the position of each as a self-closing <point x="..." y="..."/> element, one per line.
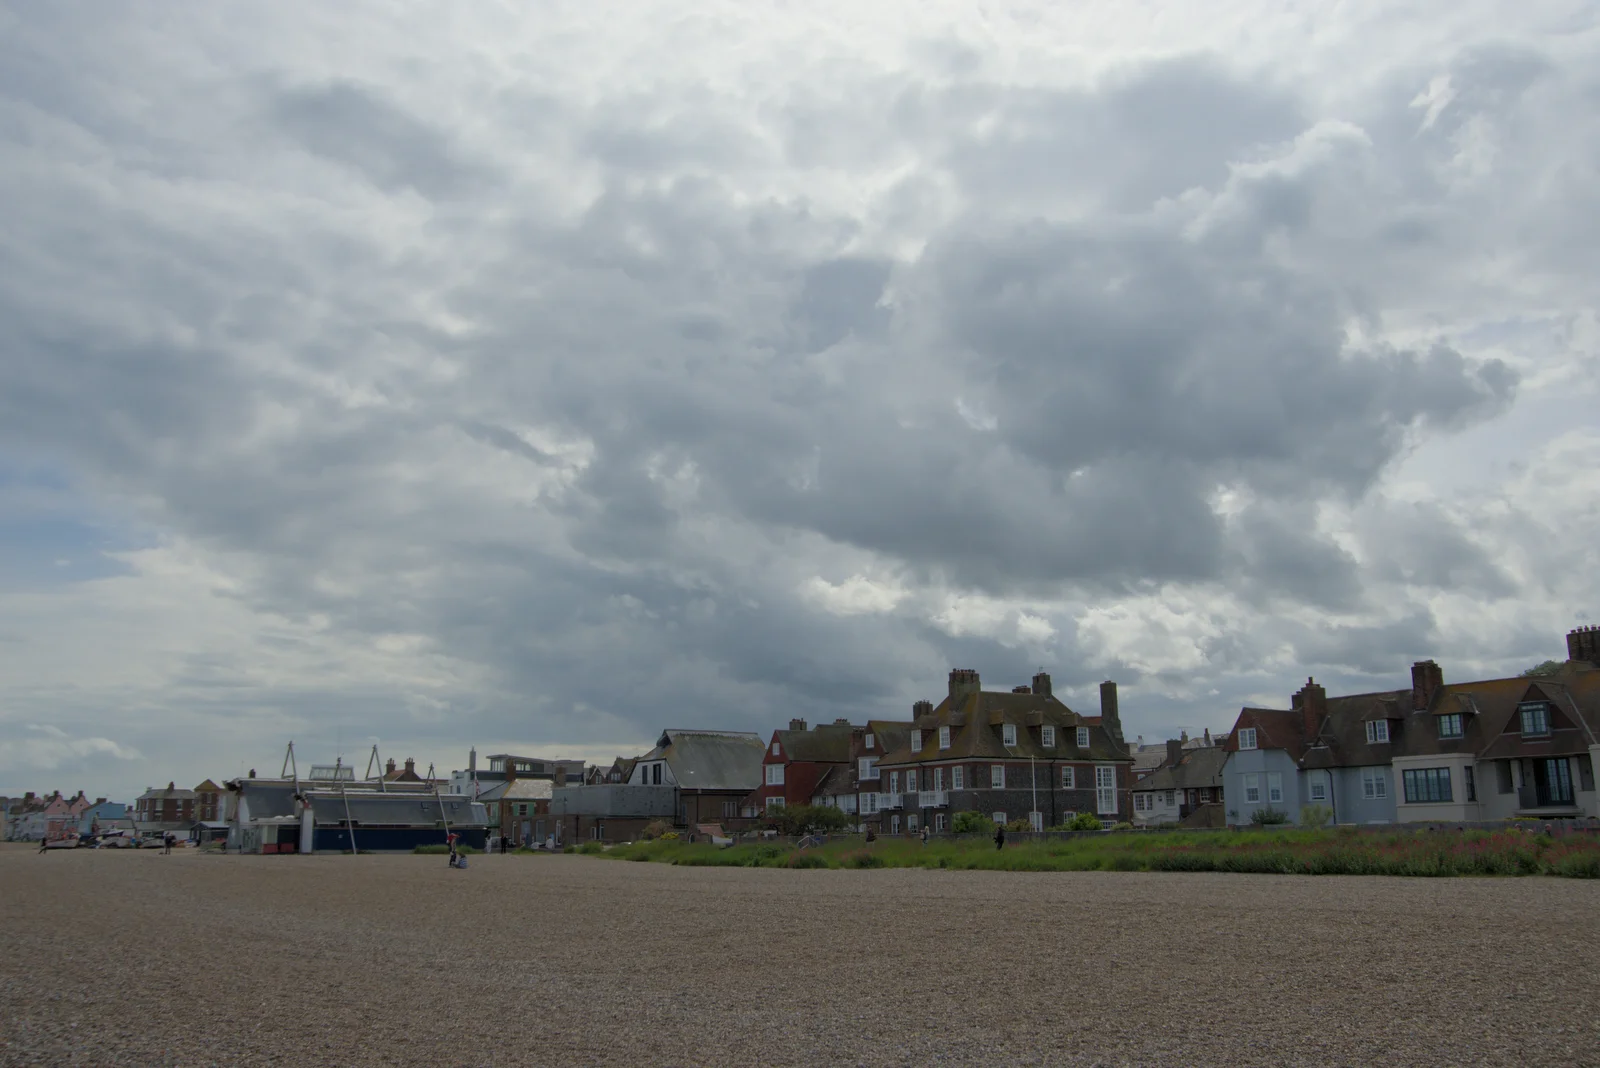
<point x="911" y="821"/>
<point x="1252" y="789"/>
<point x="916" y="741"/>
<point x="1535" y="718"/>
<point x="774" y="774"/>
<point x="869" y="803"/>
<point x="1450" y="725"/>
<point x="938" y="821"/>
<point x="869" y="740"/>
<point x="1171" y="798"/>
<point x="1047" y="737"/>
<point x="911" y="782"/>
<point x="1008" y="734"/>
<point x="1377" y="731"/>
<point x="944" y="737"/>
<point x="998" y="817"/>
<point x="894" y="782"/>
<point x="775" y="750"/>
<point x="774" y="802"/>
<point x="867" y="768"/>
<point x="1318" y="789"/>
<point x="938" y="778"/>
<point x="1274" y="787"/>
<point x="957" y="778"/>
<point x="1141" y="802"/>
<point x="894" y="824"/>
<point x="1083" y="737"/>
<point x="997" y="776"/>
<point x="1247" y="737"/>
<point x="1067" y="778"/>
<point x="1105" y="789"/>
<point x="1374" y="783"/>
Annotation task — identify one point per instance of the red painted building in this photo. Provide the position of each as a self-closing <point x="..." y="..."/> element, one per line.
<point x="796" y="760"/>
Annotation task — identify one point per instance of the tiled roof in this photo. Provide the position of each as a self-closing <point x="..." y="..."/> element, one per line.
<point x="976" y="720"/>
<point x="827" y="743"/>
<point x="1275" y="728"/>
<point x="1198" y="768"/>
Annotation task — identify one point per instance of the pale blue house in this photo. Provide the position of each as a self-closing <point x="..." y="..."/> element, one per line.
<point x="101" y="815"/>
<point x="1333" y="753"/>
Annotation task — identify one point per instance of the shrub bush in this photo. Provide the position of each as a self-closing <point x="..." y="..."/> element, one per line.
<point x="1315" y="816"/>
<point x="1085" y="821"/>
<point x="969" y="822"/>
<point x="1123" y="826"/>
<point x="1268" y="817"/>
<point x="800" y="859"/>
<point x="591" y="848"/>
<point x="655" y="829"/>
<point x="1019" y="825"/>
<point x="862" y="858"/>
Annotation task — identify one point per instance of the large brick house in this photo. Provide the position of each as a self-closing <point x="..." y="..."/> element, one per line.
<point x="1469" y="751"/>
<point x="854" y="786"/>
<point x="796" y="761"/>
<point x="1022" y="754"/>
<point x="170" y="806"/>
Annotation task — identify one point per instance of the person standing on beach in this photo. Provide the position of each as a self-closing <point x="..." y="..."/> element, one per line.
<point x="924" y="834"/>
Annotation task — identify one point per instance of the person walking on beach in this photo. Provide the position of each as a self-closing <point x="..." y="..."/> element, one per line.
<point x="166" y="843"/>
<point x="1000" y="836"/>
<point x="43" y="841"/>
<point x="455" y="858"/>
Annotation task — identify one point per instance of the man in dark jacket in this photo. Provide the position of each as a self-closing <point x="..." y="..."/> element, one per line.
<point x="1000" y="836"/>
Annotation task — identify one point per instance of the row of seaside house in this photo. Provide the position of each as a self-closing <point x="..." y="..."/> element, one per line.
<point x="1432" y="752"/>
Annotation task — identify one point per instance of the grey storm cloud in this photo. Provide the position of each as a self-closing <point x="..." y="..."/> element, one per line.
<point x="581" y="389"/>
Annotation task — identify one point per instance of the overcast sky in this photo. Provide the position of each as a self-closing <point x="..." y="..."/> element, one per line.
<point x="537" y="376"/>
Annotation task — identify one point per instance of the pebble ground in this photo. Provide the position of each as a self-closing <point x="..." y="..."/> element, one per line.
<point x="134" y="958"/>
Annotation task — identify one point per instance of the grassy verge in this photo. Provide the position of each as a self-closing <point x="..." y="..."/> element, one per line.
<point x="1332" y="852"/>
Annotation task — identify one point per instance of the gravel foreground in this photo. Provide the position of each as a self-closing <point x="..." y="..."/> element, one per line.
<point x="134" y="958"/>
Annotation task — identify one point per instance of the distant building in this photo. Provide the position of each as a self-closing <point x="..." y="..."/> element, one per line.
<point x="170" y="808"/>
<point x="796" y="761"/>
<point x="1017" y="755"/>
<point x="500" y="767"/>
<point x="1186" y="789"/>
<point x="1434" y="752"/>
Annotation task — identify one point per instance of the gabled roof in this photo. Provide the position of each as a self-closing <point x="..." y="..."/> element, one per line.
<point x="1276" y="728"/>
<point x="710" y="760"/>
<point x="1341" y="738"/>
<point x="826" y="743"/>
<point x="208" y="787"/>
<point x="1196" y="769"/>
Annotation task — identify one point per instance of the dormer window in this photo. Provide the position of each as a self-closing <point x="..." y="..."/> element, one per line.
<point x="1047" y="737"/>
<point x="1008" y="734"/>
<point x="869" y="741"/>
<point x="1247" y="737"/>
<point x="1450" y="725"/>
<point x="944" y="737"/>
<point x="1535" y="719"/>
<point x="1083" y="737"/>
<point x="1377" y="731"/>
<point x="916" y="741"/>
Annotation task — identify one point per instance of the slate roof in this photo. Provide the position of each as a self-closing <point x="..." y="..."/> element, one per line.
<point x="1197" y="769"/>
<point x="838" y="781"/>
<point x="710" y="760"/>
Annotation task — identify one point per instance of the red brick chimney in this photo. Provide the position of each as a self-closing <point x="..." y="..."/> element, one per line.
<point x="963" y="681"/>
<point x="1584" y="644"/>
<point x="1312" y="701"/>
<point x="1426" y="681"/>
<point x="389" y="768"/>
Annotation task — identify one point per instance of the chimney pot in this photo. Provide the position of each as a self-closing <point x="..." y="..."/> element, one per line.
<point x="797" y="724"/>
<point x="1041" y="684"/>
<point x="389" y="767"/>
<point x="1583" y="643"/>
<point x="252" y="773"/>
<point x="1174" y="752"/>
